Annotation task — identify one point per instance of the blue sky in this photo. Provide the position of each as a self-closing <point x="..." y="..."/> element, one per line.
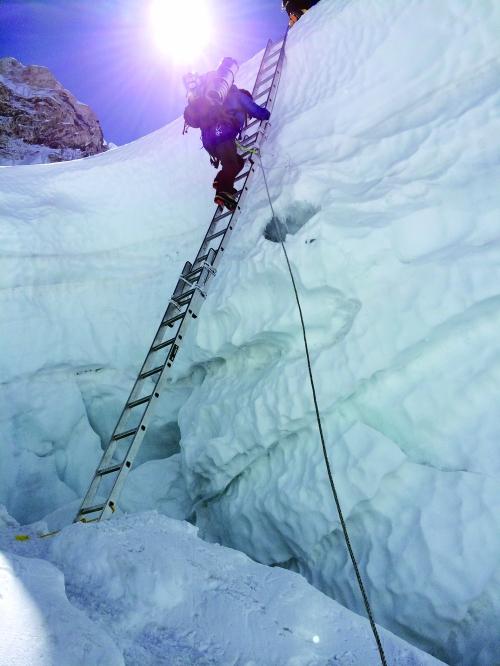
<point x="102" y="51"/>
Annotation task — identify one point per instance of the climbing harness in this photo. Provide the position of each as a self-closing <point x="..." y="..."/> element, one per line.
<point x="320" y="428"/>
<point x="241" y="146"/>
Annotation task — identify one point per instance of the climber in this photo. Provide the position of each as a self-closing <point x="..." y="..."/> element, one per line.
<point x="295" y="8"/>
<point x="219" y="109"/>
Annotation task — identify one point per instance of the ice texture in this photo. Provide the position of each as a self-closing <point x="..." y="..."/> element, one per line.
<point x="383" y="159"/>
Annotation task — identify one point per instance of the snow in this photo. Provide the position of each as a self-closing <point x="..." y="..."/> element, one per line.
<point x="38" y="625"/>
<point x="383" y="160"/>
<point x="155" y="593"/>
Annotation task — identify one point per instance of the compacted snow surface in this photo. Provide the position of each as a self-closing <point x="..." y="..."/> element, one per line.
<point x="157" y="594"/>
<point x="383" y="160"/>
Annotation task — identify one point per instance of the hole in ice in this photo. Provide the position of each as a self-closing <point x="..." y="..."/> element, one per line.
<point x="295" y="217"/>
<point x="162" y="441"/>
<point x="275" y="231"/>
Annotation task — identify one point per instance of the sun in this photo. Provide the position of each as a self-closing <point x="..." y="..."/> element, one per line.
<point x="182" y="29"/>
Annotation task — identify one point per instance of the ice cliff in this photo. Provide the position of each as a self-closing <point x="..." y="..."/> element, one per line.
<point x="383" y="158"/>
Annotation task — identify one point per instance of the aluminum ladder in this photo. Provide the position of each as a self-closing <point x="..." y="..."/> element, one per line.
<point x="183" y="307"/>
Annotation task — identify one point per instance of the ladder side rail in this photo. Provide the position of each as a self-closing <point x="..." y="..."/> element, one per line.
<point x="269" y="103"/>
<point x="259" y="136"/>
<point x="160" y="335"/>
<point x="216" y="215"/>
<point x="233" y="218"/>
<point x="268" y="56"/>
<point x="261" y="133"/>
<point x="264" y="58"/>
<point x="140" y="431"/>
<point x="196" y="302"/>
<point x="122" y="421"/>
<point x="109" y="452"/>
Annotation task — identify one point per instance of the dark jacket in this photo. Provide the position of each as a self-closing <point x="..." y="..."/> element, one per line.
<point x="227" y="125"/>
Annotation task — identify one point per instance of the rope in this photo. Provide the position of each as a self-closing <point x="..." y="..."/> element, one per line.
<point x="28" y="537"/>
<point x="320" y="428"/>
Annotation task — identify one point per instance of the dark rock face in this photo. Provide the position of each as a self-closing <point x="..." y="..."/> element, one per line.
<point x="40" y="121"/>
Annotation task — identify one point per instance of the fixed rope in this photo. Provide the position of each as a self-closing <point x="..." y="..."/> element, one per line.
<point x="320" y="428"/>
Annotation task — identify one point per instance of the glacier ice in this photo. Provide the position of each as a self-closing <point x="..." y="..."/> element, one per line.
<point x="383" y="159"/>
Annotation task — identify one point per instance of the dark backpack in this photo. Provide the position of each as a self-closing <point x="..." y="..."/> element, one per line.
<point x="199" y="112"/>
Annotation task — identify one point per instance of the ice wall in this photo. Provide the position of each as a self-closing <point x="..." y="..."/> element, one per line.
<point x="383" y="159"/>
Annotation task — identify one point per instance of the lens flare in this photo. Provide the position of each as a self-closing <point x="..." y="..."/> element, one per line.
<point x="181" y="29"/>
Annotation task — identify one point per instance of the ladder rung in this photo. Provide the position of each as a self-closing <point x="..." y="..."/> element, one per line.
<point x="268" y="67"/>
<point x="273" y="53"/>
<point x="212" y="236"/>
<point x="108" y="470"/>
<point x="248" y="139"/>
<point x="127" y="433"/>
<point x="162" y="345"/>
<point x="183" y="299"/>
<point x="91" y="509"/>
<point x="170" y="321"/>
<point x="243" y="175"/>
<point x="268" y="58"/>
<point x="221" y="217"/>
<point x="254" y="122"/>
<point x="265" y="92"/>
<point x="149" y="373"/>
<point x="261" y="83"/>
<point x="140" y="401"/>
<point x="194" y="273"/>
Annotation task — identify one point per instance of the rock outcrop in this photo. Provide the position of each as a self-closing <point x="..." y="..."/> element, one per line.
<point x="40" y="121"/>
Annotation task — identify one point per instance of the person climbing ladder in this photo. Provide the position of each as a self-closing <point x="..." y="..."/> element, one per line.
<point x="220" y="109"/>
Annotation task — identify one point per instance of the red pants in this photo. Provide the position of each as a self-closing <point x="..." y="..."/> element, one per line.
<point x="232" y="164"/>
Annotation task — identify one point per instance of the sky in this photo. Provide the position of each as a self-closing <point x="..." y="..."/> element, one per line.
<point x="105" y="53"/>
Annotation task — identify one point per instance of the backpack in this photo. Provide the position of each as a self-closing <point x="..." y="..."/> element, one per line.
<point x="199" y="112"/>
<point x="206" y="95"/>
